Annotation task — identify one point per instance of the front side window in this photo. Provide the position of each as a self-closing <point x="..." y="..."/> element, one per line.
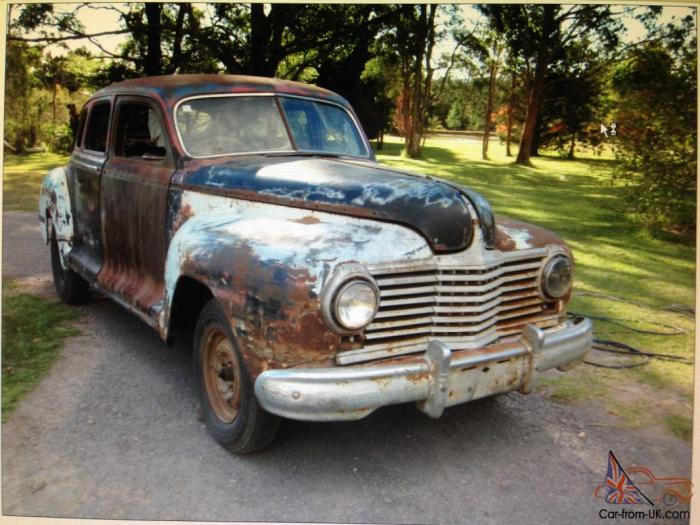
<point x="140" y="132"/>
<point x="212" y="126"/>
<point x="97" y="128"/>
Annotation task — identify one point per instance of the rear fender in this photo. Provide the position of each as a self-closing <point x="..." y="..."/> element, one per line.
<point x="55" y="210"/>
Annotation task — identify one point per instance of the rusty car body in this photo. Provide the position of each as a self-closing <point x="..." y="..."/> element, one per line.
<point x="319" y="284"/>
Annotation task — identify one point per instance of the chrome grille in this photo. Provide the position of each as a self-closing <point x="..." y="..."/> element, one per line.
<point x="464" y="306"/>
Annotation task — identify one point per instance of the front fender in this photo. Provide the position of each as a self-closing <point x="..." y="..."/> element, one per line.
<point x="55" y="209"/>
<point x="267" y="265"/>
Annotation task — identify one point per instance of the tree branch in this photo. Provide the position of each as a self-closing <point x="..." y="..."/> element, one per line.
<point x="78" y="36"/>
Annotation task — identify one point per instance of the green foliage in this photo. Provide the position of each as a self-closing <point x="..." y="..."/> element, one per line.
<point x="33" y="330"/>
<point x="58" y="138"/>
<point x="657" y="136"/>
<point x="39" y="87"/>
<point x="573" y="104"/>
<point x="20" y="126"/>
<point x="454" y="118"/>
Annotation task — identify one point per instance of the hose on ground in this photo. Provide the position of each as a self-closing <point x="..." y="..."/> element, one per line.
<point x="638" y="357"/>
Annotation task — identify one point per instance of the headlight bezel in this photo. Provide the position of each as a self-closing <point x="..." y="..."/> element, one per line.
<point x="342" y="278"/>
<point x="547" y="268"/>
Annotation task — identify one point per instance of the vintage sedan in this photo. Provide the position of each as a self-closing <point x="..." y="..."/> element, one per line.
<point x="319" y="285"/>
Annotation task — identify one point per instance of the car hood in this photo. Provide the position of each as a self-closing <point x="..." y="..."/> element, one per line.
<point x="434" y="208"/>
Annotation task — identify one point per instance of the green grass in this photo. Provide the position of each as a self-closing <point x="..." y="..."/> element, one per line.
<point x="33" y="330"/>
<point x="22" y="176"/>
<point x="578" y="200"/>
<point x="680" y="426"/>
<point x="567" y="388"/>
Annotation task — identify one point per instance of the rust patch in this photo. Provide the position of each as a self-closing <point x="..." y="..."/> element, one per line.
<point x="308" y="219"/>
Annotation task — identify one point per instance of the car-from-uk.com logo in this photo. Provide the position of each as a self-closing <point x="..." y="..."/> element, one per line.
<point x="651" y="497"/>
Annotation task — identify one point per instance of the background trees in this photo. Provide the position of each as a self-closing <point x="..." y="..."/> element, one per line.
<point x="540" y="77"/>
<point x="656" y="109"/>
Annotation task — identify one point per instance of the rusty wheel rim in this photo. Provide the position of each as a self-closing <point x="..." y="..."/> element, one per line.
<point x="222" y="377"/>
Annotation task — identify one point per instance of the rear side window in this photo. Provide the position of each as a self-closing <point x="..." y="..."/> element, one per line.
<point x="97" y="128"/>
<point x="139" y="132"/>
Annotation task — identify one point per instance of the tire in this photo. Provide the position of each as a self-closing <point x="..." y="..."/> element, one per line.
<point x="229" y="407"/>
<point x="70" y="287"/>
<point x="669" y="499"/>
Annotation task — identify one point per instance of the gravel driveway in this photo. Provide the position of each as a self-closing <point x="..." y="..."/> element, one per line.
<point x="111" y="432"/>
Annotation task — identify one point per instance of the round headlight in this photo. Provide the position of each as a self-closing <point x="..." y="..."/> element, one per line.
<point x="557" y="277"/>
<point x="355" y="304"/>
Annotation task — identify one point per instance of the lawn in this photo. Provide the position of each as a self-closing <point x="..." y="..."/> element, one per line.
<point x="22" y="176"/>
<point x="578" y="200"/>
<point x="33" y="329"/>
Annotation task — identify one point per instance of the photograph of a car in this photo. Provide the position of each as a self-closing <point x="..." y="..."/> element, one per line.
<point x="349" y="263"/>
<point x="232" y="225"/>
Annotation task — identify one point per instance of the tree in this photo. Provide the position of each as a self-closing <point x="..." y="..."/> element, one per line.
<point x="573" y="99"/>
<point x="493" y="56"/>
<point x="414" y="38"/>
<point x="657" y="138"/>
<point x="536" y="33"/>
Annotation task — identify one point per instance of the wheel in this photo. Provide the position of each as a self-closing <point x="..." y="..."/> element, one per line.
<point x="228" y="404"/>
<point x="669" y="498"/>
<point x="70" y="287"/>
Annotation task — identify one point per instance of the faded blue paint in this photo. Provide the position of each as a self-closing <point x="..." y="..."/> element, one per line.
<point x="435" y="209"/>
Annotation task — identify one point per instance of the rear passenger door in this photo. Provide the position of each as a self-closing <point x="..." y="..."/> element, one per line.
<point x="86" y="164"/>
<point x="134" y="198"/>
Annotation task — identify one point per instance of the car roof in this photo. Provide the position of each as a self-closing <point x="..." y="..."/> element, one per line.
<point x="172" y="88"/>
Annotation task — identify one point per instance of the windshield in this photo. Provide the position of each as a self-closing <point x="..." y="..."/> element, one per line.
<point x="230" y="125"/>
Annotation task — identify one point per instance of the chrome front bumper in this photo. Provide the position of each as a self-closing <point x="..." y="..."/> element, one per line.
<point x="439" y="378"/>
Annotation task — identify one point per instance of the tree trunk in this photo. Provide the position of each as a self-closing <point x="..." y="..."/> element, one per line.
<point x="175" y="63"/>
<point x="537" y="89"/>
<point x="489" y="106"/>
<point x="154" y="54"/>
<point x="419" y="91"/>
<point x="259" y="37"/>
<point x="266" y="32"/>
<point x="511" y="103"/>
<point x="53" y="102"/>
<point x="537" y="132"/>
<point x="572" y="145"/>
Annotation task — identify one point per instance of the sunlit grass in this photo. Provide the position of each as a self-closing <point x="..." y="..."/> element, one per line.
<point x="22" y="176"/>
<point x="578" y="200"/>
<point x="33" y="329"/>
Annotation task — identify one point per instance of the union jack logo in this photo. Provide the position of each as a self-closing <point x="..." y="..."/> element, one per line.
<point x="620" y="488"/>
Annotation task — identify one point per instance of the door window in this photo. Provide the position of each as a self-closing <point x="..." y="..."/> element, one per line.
<point x="97" y="128"/>
<point x="140" y="132"/>
<point x="81" y="129"/>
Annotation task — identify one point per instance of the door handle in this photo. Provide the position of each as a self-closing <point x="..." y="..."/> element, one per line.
<point x="87" y="167"/>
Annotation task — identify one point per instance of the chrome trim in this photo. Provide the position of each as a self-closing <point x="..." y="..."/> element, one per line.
<point x="416" y="306"/>
<point x="273" y="94"/>
<point x="438" y="378"/>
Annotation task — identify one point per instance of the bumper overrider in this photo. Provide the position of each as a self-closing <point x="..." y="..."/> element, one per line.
<point x="437" y="379"/>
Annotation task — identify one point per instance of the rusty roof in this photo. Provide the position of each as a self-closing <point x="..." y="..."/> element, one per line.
<point x="171" y="88"/>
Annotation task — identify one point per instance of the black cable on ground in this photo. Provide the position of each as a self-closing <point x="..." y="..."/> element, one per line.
<point x="622" y="349"/>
